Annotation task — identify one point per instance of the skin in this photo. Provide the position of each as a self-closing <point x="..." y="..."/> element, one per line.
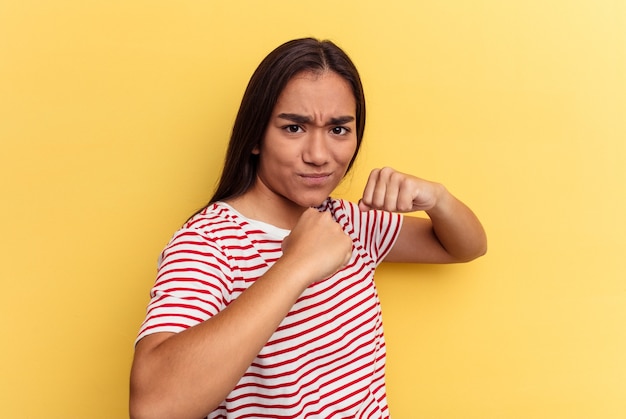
<point x="304" y="154"/>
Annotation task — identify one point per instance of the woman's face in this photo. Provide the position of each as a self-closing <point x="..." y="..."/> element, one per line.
<point x="310" y="139"/>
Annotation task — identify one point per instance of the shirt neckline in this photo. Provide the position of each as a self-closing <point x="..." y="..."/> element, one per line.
<point x="266" y="227"/>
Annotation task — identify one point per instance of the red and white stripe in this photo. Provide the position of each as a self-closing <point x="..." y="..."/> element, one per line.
<point x="327" y="357"/>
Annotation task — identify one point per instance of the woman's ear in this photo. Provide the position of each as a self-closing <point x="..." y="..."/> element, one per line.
<point x="256" y="150"/>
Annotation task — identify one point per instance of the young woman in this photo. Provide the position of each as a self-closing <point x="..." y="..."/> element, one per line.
<point x="264" y="303"/>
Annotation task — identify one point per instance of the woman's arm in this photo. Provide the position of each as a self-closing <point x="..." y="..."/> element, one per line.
<point x="451" y="234"/>
<point x="187" y="375"/>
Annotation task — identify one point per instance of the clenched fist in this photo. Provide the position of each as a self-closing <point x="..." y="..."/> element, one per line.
<point x="318" y="245"/>
<point x="390" y="190"/>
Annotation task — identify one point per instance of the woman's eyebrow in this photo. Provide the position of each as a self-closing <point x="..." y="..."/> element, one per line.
<point x="293" y="117"/>
<point x="340" y="120"/>
<point x="303" y="119"/>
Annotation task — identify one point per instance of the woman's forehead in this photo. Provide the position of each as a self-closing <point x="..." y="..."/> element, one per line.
<point x="317" y="95"/>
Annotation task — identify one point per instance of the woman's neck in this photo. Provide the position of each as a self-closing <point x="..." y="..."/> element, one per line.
<point x="259" y="203"/>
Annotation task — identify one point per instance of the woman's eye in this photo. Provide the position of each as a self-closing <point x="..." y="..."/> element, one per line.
<point x="340" y="130"/>
<point x="293" y="129"/>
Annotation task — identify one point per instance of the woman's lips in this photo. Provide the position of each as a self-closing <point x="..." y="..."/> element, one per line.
<point x="315" y="178"/>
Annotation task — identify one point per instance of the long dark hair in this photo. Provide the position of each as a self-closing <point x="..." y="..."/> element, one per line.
<point x="261" y="95"/>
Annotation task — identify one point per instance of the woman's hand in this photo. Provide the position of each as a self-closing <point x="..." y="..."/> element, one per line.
<point x="390" y="190"/>
<point x="318" y="244"/>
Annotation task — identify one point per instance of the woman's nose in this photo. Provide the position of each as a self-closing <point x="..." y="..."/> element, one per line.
<point x="316" y="149"/>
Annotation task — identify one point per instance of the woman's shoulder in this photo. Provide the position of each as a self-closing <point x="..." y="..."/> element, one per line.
<point x="212" y="224"/>
<point x="214" y="215"/>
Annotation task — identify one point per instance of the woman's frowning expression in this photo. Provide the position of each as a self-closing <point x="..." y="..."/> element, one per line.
<point x="310" y="139"/>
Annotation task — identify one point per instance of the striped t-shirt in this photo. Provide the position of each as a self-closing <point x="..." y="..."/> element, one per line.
<point x="327" y="357"/>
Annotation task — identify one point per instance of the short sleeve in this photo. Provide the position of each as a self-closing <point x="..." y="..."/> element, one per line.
<point x="193" y="284"/>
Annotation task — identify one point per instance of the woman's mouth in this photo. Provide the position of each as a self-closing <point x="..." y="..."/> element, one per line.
<point x="315" y="178"/>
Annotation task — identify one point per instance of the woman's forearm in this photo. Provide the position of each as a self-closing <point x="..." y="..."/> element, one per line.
<point x="457" y="228"/>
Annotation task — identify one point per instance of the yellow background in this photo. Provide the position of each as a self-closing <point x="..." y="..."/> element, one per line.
<point x="114" y="116"/>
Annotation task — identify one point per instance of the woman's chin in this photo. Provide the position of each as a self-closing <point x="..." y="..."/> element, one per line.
<point x="311" y="202"/>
